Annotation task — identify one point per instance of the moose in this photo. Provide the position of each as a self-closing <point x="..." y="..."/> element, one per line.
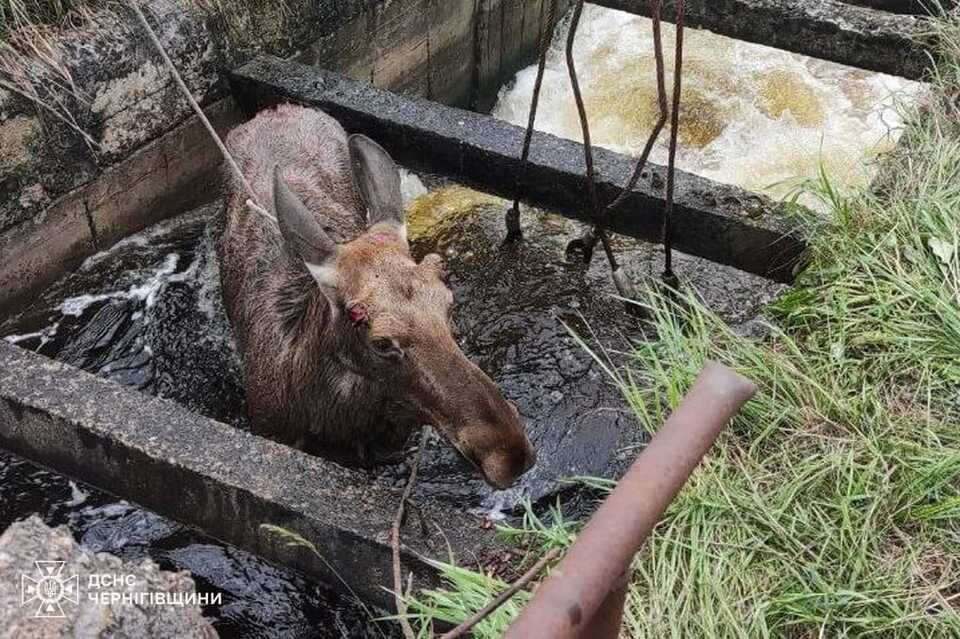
<point x="345" y="340"/>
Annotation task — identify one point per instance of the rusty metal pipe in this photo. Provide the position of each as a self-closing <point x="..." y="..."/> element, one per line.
<point x="566" y="603"/>
<point x="608" y="618"/>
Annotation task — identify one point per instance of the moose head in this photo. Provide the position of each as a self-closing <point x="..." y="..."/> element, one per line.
<point x="393" y="316"/>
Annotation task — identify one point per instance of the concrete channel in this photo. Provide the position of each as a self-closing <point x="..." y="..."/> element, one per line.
<point x="226" y="482"/>
<point x="722" y="223"/>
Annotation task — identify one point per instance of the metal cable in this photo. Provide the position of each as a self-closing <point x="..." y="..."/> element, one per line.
<point x="546" y="39"/>
<point x="668" y="274"/>
<point x="594" y="202"/>
<point x="587" y="243"/>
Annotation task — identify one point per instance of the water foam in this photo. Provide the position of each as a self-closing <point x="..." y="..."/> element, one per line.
<point x="752" y="116"/>
<point x="145" y="291"/>
<point x="411" y="187"/>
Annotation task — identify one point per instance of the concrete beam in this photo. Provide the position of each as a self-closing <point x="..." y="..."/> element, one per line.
<point x="854" y="35"/>
<point x="722" y="223"/>
<point x="219" y="479"/>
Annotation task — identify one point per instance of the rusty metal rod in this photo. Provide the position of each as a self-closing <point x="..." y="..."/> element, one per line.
<point x="608" y="618"/>
<point x="668" y="274"/>
<point x="568" y="600"/>
<point x="587" y="146"/>
<point x="546" y="38"/>
<point x="661" y="119"/>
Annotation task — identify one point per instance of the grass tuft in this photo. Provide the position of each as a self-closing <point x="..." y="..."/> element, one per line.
<point x="831" y="505"/>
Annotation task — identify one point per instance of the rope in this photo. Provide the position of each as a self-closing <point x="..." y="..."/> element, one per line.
<point x="251" y="202"/>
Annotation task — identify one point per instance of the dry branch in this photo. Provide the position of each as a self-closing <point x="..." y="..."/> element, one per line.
<point x="398" y="590"/>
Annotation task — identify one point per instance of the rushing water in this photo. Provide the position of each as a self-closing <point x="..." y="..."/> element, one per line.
<point x="750" y="115"/>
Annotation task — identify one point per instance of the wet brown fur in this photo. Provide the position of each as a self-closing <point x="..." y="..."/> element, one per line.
<point x="312" y="379"/>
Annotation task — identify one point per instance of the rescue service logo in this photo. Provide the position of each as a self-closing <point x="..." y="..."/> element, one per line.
<point x="49" y="589"/>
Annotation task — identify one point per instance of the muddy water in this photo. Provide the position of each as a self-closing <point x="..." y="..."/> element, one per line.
<point x="751" y="115"/>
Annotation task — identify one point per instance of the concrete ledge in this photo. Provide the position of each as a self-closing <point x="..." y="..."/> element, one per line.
<point x="722" y="223"/>
<point x="854" y="35"/>
<point x="218" y="479"/>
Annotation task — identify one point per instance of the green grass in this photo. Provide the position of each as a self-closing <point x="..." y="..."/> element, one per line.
<point x="831" y="505"/>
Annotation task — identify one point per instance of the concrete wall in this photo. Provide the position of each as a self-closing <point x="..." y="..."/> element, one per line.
<point x="457" y="53"/>
<point x="113" y="120"/>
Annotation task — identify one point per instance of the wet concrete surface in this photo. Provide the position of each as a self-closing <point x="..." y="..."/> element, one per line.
<point x="857" y="36"/>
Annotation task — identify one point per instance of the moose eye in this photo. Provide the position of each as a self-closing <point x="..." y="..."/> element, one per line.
<point x="384" y="346"/>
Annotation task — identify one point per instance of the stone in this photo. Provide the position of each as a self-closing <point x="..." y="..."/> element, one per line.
<point x="52" y="587"/>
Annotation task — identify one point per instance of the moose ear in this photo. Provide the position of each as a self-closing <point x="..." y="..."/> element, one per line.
<point x="378" y="180"/>
<point x="302" y="232"/>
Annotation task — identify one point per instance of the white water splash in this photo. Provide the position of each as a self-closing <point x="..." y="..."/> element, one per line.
<point x="146" y="291"/>
<point x="751" y="116"/>
<point x="410" y="187"/>
<point x="44" y="335"/>
<point x="77" y="496"/>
